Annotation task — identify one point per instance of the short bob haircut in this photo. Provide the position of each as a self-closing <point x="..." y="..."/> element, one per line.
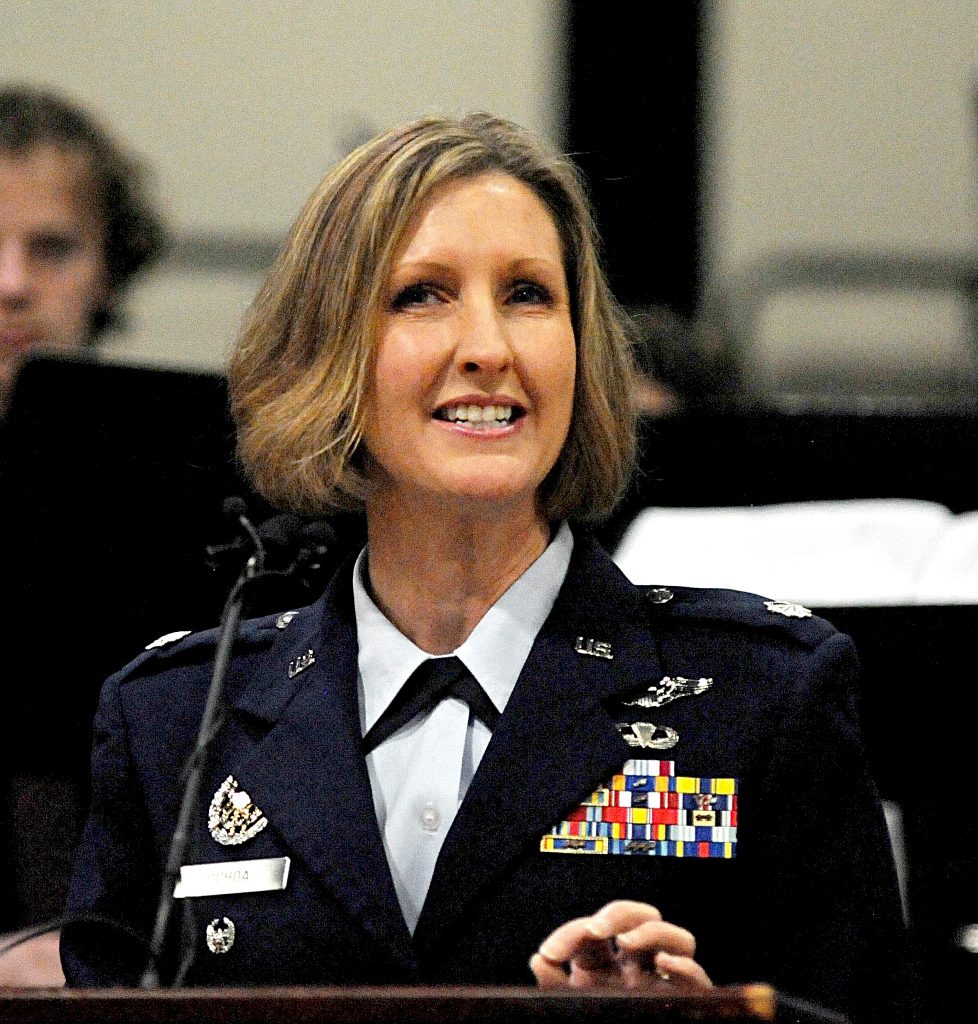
<point x="135" y="238"/>
<point x="301" y="371"/>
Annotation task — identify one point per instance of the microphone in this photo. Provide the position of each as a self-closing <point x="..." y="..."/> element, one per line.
<point x="209" y="725"/>
<point x="236" y="511"/>
<point x="301" y="548"/>
<point x="294" y="548"/>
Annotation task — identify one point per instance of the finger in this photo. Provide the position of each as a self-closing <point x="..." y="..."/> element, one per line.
<point x="621" y="916"/>
<point x="653" y="936"/>
<point x="549" y="975"/>
<point x="606" y="977"/>
<point x="572" y="939"/>
<point x="682" y="972"/>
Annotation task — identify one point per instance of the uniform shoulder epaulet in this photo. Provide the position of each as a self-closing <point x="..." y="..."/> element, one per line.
<point x="184" y="645"/>
<point x="739" y="608"/>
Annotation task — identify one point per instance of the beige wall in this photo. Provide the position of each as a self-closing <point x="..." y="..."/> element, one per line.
<point x="848" y="125"/>
<point x="842" y="122"/>
<point x="240" y="106"/>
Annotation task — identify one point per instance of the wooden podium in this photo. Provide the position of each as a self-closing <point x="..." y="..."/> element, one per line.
<point x="395" y="1005"/>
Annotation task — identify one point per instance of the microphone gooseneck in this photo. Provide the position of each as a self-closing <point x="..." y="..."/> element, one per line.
<point x="209" y="725"/>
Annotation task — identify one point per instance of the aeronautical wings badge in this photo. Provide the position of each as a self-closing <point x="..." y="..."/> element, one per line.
<point x="233" y="818"/>
<point x="670" y="688"/>
<point x="645" y="734"/>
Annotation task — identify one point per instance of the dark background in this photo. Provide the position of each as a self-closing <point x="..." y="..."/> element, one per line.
<point x="633" y="99"/>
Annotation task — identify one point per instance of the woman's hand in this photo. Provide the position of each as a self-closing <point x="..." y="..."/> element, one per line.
<point x="625" y="945"/>
<point x="32" y="964"/>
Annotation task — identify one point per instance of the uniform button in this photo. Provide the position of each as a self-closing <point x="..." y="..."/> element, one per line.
<point x="430" y="818"/>
<point x="660" y="595"/>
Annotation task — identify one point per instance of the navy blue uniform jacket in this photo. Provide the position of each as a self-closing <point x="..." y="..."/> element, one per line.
<point x="809" y="902"/>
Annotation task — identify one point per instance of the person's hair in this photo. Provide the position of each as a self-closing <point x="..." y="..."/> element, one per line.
<point x="301" y="369"/>
<point x="134" y="233"/>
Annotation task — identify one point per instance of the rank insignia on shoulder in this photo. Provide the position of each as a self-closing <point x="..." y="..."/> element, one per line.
<point x="168" y="638"/>
<point x="648" y="810"/>
<point x="284" y="619"/>
<point x="788" y="609"/>
<point x="232" y="818"/>
<point x="670" y="688"/>
<point x="301" y="663"/>
<point x="645" y="734"/>
<point x="220" y="935"/>
<point x="596" y="648"/>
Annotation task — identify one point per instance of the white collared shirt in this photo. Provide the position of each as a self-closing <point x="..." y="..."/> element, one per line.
<point x="420" y="775"/>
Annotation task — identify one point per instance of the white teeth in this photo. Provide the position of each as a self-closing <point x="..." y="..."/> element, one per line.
<point x="490" y="415"/>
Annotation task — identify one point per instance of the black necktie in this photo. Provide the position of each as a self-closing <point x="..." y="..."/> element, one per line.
<point x="428" y="685"/>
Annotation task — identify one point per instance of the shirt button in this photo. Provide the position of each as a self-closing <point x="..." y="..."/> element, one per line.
<point x="430" y="818"/>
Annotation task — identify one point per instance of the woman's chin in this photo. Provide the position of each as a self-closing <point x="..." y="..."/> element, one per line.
<point x="480" y="498"/>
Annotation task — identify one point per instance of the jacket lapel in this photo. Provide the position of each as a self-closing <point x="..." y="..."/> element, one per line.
<point x="556" y="741"/>
<point x="308" y="775"/>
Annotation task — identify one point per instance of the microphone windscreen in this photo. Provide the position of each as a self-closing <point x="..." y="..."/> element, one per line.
<point x="319" y="533"/>
<point x="235" y="508"/>
<point x="281" y="531"/>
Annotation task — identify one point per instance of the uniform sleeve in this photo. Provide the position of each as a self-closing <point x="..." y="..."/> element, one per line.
<point x="827" y="923"/>
<point x="116" y="872"/>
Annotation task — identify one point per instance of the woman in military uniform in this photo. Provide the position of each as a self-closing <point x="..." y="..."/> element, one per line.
<point x="483" y="756"/>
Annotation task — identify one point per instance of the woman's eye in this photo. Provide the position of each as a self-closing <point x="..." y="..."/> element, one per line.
<point x="415" y="295"/>
<point x="528" y="291"/>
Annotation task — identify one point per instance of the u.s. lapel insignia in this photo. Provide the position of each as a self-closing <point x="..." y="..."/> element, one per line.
<point x="220" y="935"/>
<point x="670" y="688"/>
<point x="596" y="648"/>
<point x="233" y="818"/>
<point x="301" y="663"/>
<point x="648" y="735"/>
<point x="788" y="609"/>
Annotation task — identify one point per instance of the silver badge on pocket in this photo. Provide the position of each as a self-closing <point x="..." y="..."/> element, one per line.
<point x="232" y="817"/>
<point x="220" y="935"/>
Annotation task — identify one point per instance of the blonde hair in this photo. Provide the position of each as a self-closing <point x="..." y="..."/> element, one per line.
<point x="300" y="372"/>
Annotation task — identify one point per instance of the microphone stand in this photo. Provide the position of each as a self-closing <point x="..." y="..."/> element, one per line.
<point x="209" y="725"/>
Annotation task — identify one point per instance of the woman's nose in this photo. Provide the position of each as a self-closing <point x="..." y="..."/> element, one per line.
<point x="484" y="342"/>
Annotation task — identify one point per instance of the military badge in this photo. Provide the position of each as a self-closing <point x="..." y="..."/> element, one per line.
<point x="648" y="735"/>
<point x="595" y="648"/>
<point x="232" y="818"/>
<point x="300" y="664"/>
<point x="220" y="935"/>
<point x="167" y="638"/>
<point x="670" y="688"/>
<point x="789" y="609"/>
<point x="648" y="810"/>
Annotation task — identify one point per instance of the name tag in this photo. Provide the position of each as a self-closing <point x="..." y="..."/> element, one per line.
<point x="232" y="876"/>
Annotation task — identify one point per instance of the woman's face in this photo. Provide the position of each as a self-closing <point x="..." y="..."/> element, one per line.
<point x="474" y="383"/>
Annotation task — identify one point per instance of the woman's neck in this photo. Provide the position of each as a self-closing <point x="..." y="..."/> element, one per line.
<point x="435" y="573"/>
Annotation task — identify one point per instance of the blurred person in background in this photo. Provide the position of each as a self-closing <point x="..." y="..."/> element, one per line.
<point x="76" y="226"/>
